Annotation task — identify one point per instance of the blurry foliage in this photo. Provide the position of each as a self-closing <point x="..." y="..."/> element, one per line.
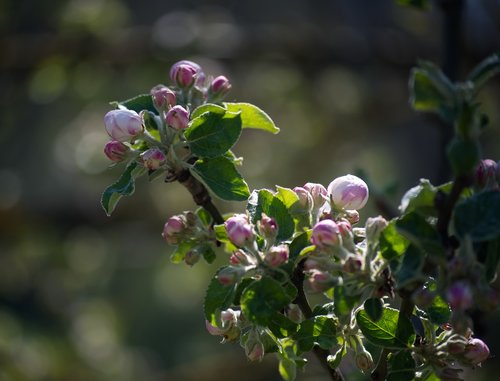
<point x="83" y="298"/>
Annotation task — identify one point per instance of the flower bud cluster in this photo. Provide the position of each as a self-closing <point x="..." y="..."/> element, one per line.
<point x="229" y="327"/>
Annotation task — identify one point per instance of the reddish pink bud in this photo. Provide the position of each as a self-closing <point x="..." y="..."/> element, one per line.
<point x="219" y="87"/>
<point x="123" y="125"/>
<point x="177" y="117"/>
<point x="476" y="351"/>
<point x="230" y="275"/>
<point x="277" y="255"/>
<point x="173" y="229"/>
<point x="267" y="226"/>
<point x="345" y="228"/>
<point x="239" y="229"/>
<point x="318" y="193"/>
<point x="116" y="151"/>
<point x="485" y="176"/>
<point x="163" y="97"/>
<point x="184" y="73"/>
<point x="348" y="192"/>
<point x="325" y="234"/>
<point x="459" y="296"/>
<point x="153" y="158"/>
<point x="320" y="281"/>
<point x="305" y="198"/>
<point x="239" y="257"/>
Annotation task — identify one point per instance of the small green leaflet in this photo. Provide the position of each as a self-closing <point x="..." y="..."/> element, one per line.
<point x="319" y="330"/>
<point x="125" y="186"/>
<point x="391" y="331"/>
<point x="253" y="117"/>
<point x="217" y="298"/>
<point x="222" y="178"/>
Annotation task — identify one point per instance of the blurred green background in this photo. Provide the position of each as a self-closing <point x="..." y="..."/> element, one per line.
<point x="86" y="297"/>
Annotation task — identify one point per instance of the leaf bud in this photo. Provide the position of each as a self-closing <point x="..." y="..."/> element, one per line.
<point x="348" y="192"/>
<point x="174" y="229"/>
<point x="153" y="158"/>
<point x="325" y="234"/>
<point x="177" y="117"/>
<point x="239" y="230"/>
<point x="163" y="97"/>
<point x="318" y="193"/>
<point x="476" y="351"/>
<point x="277" y="255"/>
<point x="123" y="125"/>
<point x="116" y="151"/>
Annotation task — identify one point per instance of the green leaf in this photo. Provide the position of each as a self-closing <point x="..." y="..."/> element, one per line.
<point x="439" y="311"/>
<point x="181" y="250"/>
<point x="204" y="216"/>
<point x="264" y="201"/>
<point x="421" y="4"/>
<point x="478" y="216"/>
<point x="392" y="330"/>
<point x="419" y="198"/>
<point x="319" y="330"/>
<point x="401" y="366"/>
<point x="485" y="70"/>
<point x="410" y="269"/>
<point x="335" y="359"/>
<point x="301" y="217"/>
<point x="211" y="134"/>
<point x="299" y="242"/>
<point x="287" y="369"/>
<point x="222" y="178"/>
<point x="217" y="298"/>
<point x="392" y="244"/>
<point x="343" y="303"/>
<point x="431" y="90"/>
<point x="422" y="234"/>
<point x="262" y="299"/>
<point x="253" y="117"/>
<point x="207" y="107"/>
<point x="464" y="155"/>
<point x="207" y="252"/>
<point x="374" y="308"/>
<point x="281" y="326"/>
<point x="137" y="104"/>
<point x="125" y="186"/>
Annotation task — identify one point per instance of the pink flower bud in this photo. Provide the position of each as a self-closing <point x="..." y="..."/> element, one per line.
<point x="345" y="229"/>
<point x="116" y="151"/>
<point x="348" y="192"/>
<point x="294" y="313"/>
<point x="277" y="255"/>
<point x="177" y="117"/>
<point x="318" y="193"/>
<point x="256" y="352"/>
<point x="163" y="97"/>
<point x="239" y="230"/>
<point x="123" y="125"/>
<point x="173" y="229"/>
<point x="476" y="351"/>
<point x="459" y="296"/>
<point x="325" y="234"/>
<point x="485" y="176"/>
<point x="267" y="226"/>
<point x="219" y="87"/>
<point x="153" y="158"/>
<point x="230" y="275"/>
<point x="239" y="257"/>
<point x="305" y="199"/>
<point x="320" y="281"/>
<point x="352" y="216"/>
<point x="229" y="316"/>
<point x="184" y="73"/>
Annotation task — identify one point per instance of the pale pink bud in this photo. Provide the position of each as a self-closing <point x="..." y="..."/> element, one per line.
<point x="476" y="351"/>
<point x="353" y="263"/>
<point x="239" y="257"/>
<point x="294" y="313"/>
<point x="219" y="87"/>
<point x="267" y="226"/>
<point x="239" y="230"/>
<point x="352" y="216"/>
<point x="184" y="73"/>
<point x="364" y="361"/>
<point x="163" y="97"/>
<point x="305" y="199"/>
<point x="277" y="255"/>
<point x="485" y="176"/>
<point x="229" y="316"/>
<point x="348" y="192"/>
<point x="230" y="275"/>
<point x="320" y="281"/>
<point x="256" y="352"/>
<point x="173" y="229"/>
<point x="177" y="117"/>
<point x="318" y="193"/>
<point x="325" y="234"/>
<point x="153" y="158"/>
<point x="123" y="125"/>
<point x="374" y="226"/>
<point x="459" y="296"/>
<point x="116" y="151"/>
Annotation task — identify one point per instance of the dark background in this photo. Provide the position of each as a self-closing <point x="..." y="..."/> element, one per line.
<point x="86" y="297"/>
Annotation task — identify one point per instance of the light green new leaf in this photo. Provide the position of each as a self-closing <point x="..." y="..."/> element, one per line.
<point x="125" y="186"/>
<point x="253" y="117"/>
